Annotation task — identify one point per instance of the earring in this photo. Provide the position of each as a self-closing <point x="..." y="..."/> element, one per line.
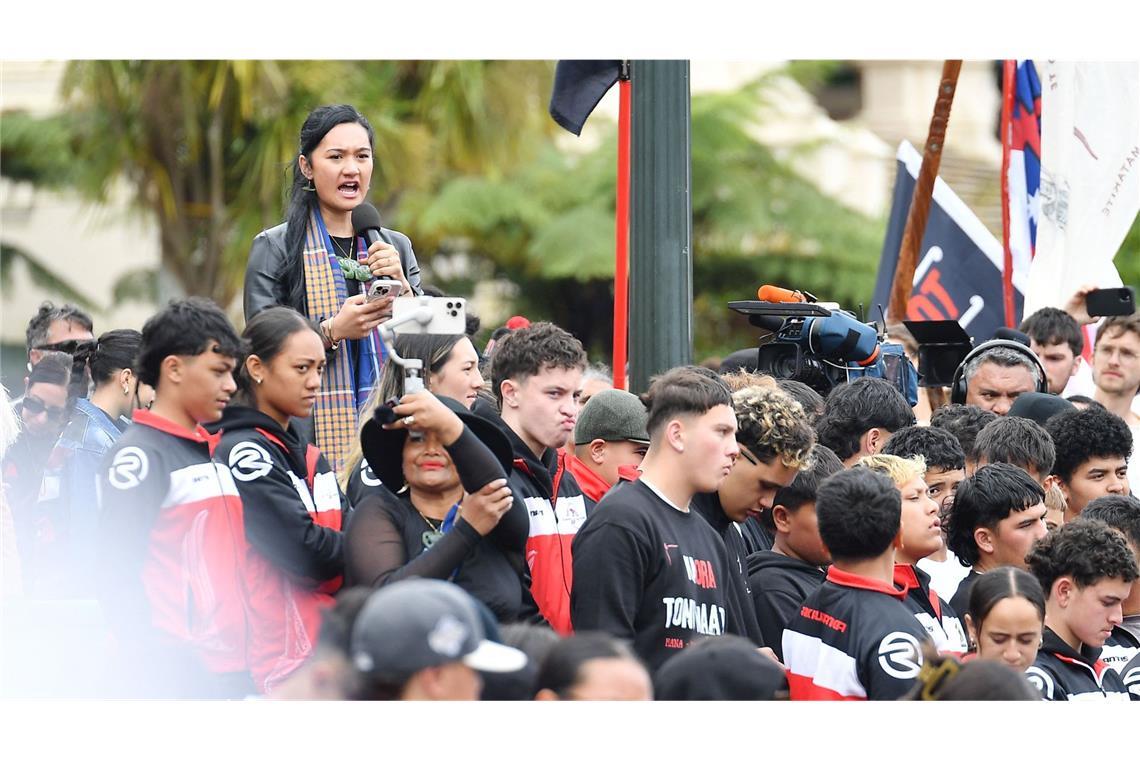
<point x="257" y="380"/>
<point x="310" y="187"/>
<point x="126" y="392"/>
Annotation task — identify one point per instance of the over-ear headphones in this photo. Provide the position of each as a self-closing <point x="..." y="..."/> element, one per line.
<point x="958" y="384"/>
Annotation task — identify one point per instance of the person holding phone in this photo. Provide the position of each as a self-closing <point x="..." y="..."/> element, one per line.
<point x="448" y="512"/>
<point x="315" y="264"/>
<point x="450" y="368"/>
<point x="1116" y="374"/>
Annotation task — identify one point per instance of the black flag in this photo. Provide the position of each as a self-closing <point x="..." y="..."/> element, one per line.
<point x="959" y="268"/>
<point x="578" y="88"/>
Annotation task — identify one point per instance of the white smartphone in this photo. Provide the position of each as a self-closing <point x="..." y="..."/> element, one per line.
<point x="382" y="288"/>
<point x="448" y="315"/>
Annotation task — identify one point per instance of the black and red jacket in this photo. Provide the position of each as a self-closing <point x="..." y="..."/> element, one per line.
<point x="557" y="509"/>
<point x="171" y="560"/>
<point x="1122" y="653"/>
<point x="293" y="511"/>
<point x="935" y="614"/>
<point x="853" y="639"/>
<point x="1062" y="674"/>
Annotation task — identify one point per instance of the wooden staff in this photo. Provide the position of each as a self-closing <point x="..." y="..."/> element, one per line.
<point x="923" y="189"/>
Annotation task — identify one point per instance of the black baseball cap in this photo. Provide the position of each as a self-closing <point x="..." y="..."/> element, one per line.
<point x="421" y="623"/>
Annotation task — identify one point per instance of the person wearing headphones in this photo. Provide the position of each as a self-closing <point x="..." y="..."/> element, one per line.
<point x="995" y="373"/>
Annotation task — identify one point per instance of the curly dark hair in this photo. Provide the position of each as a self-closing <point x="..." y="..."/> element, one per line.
<point x="854" y="408"/>
<point x="1117" y="511"/>
<point x="938" y="447"/>
<point x="1085" y="550"/>
<point x="524" y="353"/>
<point x="1050" y="326"/>
<point x="963" y="422"/>
<point x="1015" y="440"/>
<point x="985" y="499"/>
<point x="1078" y="436"/>
<point x="859" y="512"/>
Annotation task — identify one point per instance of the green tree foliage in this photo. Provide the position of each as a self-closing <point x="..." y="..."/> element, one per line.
<point x="549" y="226"/>
<point x="205" y="146"/>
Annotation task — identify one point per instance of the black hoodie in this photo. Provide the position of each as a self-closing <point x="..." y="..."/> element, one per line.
<point x="708" y="506"/>
<point x="288" y="491"/>
<point x="1062" y="674"/>
<point x="779" y="586"/>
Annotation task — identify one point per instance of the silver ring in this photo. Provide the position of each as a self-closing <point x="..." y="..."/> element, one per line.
<point x="409" y="420"/>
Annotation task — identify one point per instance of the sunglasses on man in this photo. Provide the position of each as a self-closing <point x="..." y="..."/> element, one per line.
<point x="65" y="346"/>
<point x="34" y="406"/>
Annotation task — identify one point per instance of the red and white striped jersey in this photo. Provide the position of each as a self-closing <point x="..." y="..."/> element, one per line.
<point x="853" y="639"/>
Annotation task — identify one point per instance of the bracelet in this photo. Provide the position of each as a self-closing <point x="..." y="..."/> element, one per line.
<point x="326" y="333"/>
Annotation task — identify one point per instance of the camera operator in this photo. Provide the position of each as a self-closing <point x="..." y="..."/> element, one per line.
<point x="995" y="376"/>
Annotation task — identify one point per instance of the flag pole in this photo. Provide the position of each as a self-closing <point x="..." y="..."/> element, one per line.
<point x="621" y="246"/>
<point x="1009" y="68"/>
<point x="923" y="189"/>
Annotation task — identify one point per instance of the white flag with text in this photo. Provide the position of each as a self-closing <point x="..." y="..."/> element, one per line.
<point x="1090" y="176"/>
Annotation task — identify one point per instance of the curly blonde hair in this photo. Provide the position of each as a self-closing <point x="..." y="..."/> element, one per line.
<point x="771" y="424"/>
<point x="742" y="378"/>
<point x="898" y="469"/>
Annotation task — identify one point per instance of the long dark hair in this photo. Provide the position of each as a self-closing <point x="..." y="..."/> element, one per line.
<point x="265" y="335"/>
<point x="303" y="202"/>
<point x="112" y="352"/>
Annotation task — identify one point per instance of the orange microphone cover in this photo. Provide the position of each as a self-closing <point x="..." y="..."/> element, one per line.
<point x="779" y="295"/>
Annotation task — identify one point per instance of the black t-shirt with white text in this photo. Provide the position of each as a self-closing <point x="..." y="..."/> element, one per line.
<point x="652" y="574"/>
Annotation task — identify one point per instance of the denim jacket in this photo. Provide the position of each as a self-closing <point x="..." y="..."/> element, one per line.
<point x="67" y="511"/>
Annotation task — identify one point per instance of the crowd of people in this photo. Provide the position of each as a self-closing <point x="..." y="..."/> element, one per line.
<point x="274" y="513"/>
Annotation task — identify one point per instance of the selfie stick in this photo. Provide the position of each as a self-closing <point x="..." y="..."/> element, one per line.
<point x="413" y="368"/>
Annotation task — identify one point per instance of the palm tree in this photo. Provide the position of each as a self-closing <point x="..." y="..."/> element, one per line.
<point x="204" y="145"/>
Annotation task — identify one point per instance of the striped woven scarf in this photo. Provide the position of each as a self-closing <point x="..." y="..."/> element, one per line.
<point x="355" y="366"/>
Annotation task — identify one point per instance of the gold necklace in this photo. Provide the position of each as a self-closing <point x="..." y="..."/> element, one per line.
<point x="340" y="251"/>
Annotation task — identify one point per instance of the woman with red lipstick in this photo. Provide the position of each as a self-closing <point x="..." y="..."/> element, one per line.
<point x="316" y="264"/>
<point x="453" y="516"/>
<point x="920" y="535"/>
<point x="451" y="369"/>
<point x="292" y="507"/>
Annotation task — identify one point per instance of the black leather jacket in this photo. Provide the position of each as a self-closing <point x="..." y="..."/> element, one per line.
<point x="264" y="283"/>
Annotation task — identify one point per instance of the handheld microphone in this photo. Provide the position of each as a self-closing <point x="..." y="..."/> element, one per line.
<point x="366" y="223"/>
<point x="773" y="294"/>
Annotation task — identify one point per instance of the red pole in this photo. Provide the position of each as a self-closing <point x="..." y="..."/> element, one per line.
<point x="1009" y="69"/>
<point x="621" y="248"/>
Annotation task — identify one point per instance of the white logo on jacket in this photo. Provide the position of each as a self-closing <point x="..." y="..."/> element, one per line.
<point x="367" y="477"/>
<point x="1040" y="680"/>
<point x="900" y="655"/>
<point x="248" y="461"/>
<point x="128" y="468"/>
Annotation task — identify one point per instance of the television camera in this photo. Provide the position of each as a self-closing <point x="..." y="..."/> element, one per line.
<point x="822" y="347"/>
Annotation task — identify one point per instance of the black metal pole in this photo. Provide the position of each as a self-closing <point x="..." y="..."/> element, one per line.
<point x="661" y="221"/>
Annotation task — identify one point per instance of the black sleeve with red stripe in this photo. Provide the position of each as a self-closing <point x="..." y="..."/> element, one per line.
<point x="277" y="523"/>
